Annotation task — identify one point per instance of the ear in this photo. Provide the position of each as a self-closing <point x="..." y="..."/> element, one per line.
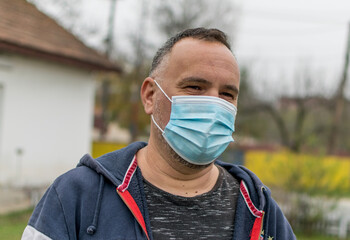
<point x="147" y="95"/>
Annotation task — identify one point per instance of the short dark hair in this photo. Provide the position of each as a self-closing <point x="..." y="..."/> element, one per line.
<point x="210" y="35"/>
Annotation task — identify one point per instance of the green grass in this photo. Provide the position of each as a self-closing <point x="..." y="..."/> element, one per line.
<point x="315" y="237"/>
<point x="13" y="224"/>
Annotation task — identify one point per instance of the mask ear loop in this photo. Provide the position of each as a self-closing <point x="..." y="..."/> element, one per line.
<point x="155" y="123"/>
<point x="162" y="91"/>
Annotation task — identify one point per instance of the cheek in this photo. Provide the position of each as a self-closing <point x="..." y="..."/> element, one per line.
<point x="162" y="112"/>
<point x="235" y="102"/>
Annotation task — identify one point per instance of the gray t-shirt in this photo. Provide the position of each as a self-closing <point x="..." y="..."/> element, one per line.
<point x="206" y="216"/>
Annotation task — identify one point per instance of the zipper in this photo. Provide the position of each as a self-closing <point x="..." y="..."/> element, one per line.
<point x="257" y="228"/>
<point x="134" y="209"/>
<point x="129" y="201"/>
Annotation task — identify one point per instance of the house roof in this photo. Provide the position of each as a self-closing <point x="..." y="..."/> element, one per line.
<point x="26" y="30"/>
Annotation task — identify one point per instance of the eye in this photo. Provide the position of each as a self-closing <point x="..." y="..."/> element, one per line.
<point x="228" y="96"/>
<point x="194" y="87"/>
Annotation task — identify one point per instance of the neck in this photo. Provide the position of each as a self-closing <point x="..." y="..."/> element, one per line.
<point x="173" y="177"/>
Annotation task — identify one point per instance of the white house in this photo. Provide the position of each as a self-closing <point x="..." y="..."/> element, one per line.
<point x="46" y="96"/>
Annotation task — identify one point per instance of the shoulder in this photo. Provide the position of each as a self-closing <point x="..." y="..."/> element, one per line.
<point x="76" y="181"/>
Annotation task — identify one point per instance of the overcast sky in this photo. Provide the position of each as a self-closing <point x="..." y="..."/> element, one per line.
<point x="281" y="42"/>
<point x="280" y="37"/>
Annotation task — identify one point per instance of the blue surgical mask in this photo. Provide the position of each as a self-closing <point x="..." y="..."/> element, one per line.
<point x="200" y="127"/>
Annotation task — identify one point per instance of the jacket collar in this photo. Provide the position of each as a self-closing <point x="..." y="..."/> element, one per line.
<point x="113" y="165"/>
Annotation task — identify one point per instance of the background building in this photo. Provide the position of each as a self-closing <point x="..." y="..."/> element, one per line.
<point x="47" y="86"/>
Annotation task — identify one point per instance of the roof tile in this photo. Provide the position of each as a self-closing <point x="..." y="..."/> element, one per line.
<point x="24" y="27"/>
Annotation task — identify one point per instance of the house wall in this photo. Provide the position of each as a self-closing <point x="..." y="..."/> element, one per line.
<point x="46" y="113"/>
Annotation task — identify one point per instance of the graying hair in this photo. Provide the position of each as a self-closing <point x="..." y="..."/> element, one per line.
<point x="210" y="35"/>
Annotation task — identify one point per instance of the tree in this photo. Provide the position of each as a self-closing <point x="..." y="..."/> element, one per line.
<point x="174" y="16"/>
<point x="339" y="102"/>
<point x="294" y="121"/>
<point x="67" y="13"/>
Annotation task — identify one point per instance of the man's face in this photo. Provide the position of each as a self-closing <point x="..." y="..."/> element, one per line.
<point x="196" y="67"/>
<point x="193" y="67"/>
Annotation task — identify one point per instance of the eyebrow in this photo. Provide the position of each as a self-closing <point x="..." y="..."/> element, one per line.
<point x="204" y="81"/>
<point x="232" y="88"/>
<point x="194" y="79"/>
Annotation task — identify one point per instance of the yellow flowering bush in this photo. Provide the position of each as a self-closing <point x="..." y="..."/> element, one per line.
<point x="301" y="172"/>
<point x="297" y="172"/>
<point x="100" y="148"/>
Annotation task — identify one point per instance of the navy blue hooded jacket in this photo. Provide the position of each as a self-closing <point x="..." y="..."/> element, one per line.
<point x="84" y="203"/>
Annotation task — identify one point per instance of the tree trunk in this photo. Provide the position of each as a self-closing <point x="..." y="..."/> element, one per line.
<point x="339" y="103"/>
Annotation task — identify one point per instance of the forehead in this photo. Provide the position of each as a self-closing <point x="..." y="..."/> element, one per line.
<point x="191" y="45"/>
<point x="193" y="56"/>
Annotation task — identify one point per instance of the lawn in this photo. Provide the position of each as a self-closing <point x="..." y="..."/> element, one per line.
<point x="13" y="224"/>
<point x="315" y="237"/>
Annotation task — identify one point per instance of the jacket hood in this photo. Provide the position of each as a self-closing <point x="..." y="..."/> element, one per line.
<point x="115" y="166"/>
<point x="257" y="190"/>
<point x="110" y="165"/>
<point x="114" y="169"/>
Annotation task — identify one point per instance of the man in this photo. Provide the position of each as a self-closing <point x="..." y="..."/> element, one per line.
<point x="172" y="187"/>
